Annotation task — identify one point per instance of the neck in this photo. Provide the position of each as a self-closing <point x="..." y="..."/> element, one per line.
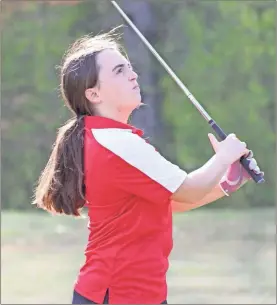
<point x="116" y="115"/>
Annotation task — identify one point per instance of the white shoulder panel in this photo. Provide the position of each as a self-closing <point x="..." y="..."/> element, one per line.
<point x="141" y="155"/>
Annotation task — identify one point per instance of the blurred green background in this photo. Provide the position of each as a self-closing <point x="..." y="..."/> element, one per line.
<point x="224" y="52"/>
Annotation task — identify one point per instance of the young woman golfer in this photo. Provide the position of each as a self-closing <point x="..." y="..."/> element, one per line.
<point x="130" y="190"/>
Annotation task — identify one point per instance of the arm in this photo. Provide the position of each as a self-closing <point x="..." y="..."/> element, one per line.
<point x="144" y="172"/>
<point x="214" y="195"/>
<point x="223" y="169"/>
<point x="201" y="182"/>
<point x="232" y="181"/>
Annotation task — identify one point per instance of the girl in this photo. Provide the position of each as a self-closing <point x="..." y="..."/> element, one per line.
<point x="102" y="162"/>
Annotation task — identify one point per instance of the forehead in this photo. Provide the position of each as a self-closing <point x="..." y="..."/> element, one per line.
<point x="109" y="58"/>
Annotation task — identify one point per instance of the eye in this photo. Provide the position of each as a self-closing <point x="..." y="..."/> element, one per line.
<point x="119" y="71"/>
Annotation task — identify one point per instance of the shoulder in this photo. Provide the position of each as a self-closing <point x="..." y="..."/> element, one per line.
<point x="122" y="142"/>
<point x="136" y="165"/>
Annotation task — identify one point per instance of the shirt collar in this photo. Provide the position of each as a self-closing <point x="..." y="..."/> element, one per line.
<point x="99" y="122"/>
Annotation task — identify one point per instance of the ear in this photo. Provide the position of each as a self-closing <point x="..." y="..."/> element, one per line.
<point x="92" y="95"/>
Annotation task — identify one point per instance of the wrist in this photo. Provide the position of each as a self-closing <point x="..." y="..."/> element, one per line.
<point x="221" y="162"/>
<point x="227" y="188"/>
<point x="223" y="159"/>
<point x="234" y="179"/>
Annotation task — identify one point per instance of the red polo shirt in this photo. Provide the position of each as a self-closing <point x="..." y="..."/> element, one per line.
<point x="128" y="189"/>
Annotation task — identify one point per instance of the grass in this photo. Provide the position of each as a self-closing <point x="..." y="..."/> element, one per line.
<point x="219" y="257"/>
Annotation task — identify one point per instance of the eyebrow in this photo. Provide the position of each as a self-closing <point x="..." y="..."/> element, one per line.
<point x="120" y="66"/>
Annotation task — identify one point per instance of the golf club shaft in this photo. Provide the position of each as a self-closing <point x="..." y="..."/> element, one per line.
<point x="258" y="178"/>
<point x="164" y="64"/>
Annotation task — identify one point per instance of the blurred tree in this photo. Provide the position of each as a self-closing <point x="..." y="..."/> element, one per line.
<point x="222" y="50"/>
<point x="32" y="47"/>
<point x="226" y="58"/>
<point x="148" y="117"/>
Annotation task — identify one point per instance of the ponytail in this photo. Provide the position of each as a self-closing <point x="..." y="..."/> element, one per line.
<point x="61" y="187"/>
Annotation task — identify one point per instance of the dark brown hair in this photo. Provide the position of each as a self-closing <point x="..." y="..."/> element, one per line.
<point x="60" y="187"/>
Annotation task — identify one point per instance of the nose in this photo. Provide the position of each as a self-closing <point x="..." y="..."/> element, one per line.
<point x="133" y="75"/>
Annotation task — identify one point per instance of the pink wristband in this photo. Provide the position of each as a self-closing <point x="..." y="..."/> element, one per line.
<point x="235" y="177"/>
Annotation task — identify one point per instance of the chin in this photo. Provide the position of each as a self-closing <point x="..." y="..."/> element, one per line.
<point x="131" y="104"/>
<point x="137" y="104"/>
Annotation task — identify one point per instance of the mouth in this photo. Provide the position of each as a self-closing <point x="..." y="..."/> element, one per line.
<point x="136" y="87"/>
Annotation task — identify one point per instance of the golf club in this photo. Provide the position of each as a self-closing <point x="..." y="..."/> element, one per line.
<point x="258" y="178"/>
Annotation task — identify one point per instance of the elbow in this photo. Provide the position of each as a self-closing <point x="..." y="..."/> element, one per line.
<point x="189" y="192"/>
<point x="189" y="197"/>
<point x="194" y="197"/>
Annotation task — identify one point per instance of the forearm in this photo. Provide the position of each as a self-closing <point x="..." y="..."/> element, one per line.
<point x="213" y="180"/>
<point x="201" y="182"/>
<point x="212" y="196"/>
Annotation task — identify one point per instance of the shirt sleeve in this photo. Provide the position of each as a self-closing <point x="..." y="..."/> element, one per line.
<point x="138" y="168"/>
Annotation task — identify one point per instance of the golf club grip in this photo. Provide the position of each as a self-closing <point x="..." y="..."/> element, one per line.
<point x="258" y="178"/>
<point x="220" y="133"/>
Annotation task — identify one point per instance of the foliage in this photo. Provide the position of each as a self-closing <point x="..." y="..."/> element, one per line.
<point x="227" y="61"/>
<point x="222" y="50"/>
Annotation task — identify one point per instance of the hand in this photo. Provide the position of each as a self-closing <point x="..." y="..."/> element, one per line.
<point x="236" y="176"/>
<point x="230" y="149"/>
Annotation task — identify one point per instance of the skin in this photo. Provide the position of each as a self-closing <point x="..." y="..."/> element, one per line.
<point x="214" y="195"/>
<point x="117" y="95"/>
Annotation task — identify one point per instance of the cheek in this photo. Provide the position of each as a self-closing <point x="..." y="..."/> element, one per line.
<point x="116" y="90"/>
<point x="109" y="91"/>
<point x="119" y="89"/>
